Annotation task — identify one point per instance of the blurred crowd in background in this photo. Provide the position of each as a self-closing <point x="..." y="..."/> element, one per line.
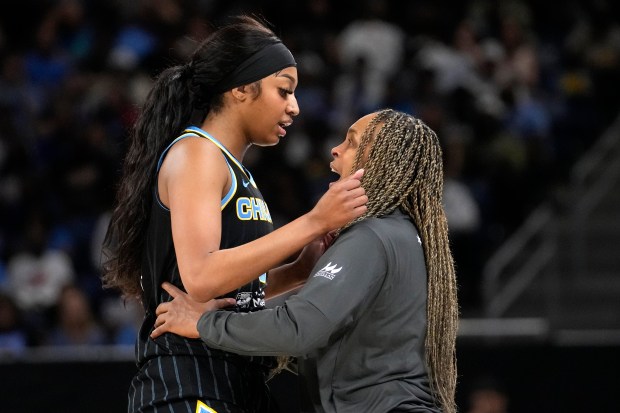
<point x="516" y="90"/>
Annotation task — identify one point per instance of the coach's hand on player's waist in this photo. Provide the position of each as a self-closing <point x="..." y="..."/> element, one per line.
<point x="181" y="315"/>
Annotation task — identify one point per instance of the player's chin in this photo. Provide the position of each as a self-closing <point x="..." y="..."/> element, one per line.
<point x="268" y="141"/>
<point x="275" y="138"/>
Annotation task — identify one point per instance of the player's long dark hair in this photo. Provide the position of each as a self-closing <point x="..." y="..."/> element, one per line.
<point x="404" y="169"/>
<point x="181" y="95"/>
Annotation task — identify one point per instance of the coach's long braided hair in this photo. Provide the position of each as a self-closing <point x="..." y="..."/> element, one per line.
<point x="181" y="95"/>
<point x="403" y="168"/>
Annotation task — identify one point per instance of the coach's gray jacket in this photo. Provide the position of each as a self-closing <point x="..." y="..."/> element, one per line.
<point x="357" y="326"/>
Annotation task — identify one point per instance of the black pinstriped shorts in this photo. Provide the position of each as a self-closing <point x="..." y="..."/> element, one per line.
<point x="185" y="384"/>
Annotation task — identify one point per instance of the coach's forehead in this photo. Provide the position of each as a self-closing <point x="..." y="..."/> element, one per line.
<point x="362" y="123"/>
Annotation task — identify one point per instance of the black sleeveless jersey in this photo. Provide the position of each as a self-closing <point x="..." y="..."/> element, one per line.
<point x="245" y="217"/>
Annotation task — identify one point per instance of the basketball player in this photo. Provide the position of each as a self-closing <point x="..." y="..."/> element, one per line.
<point x="190" y="213"/>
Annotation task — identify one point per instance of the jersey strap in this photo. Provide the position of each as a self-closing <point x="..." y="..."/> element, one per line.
<point x="197" y="131"/>
<point x="227" y="156"/>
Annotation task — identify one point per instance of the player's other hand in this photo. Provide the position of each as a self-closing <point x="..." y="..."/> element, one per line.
<point x="344" y="201"/>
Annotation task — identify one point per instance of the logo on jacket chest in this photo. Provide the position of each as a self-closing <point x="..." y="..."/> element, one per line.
<point x="329" y="271"/>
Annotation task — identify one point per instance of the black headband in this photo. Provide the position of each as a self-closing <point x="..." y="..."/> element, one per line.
<point x="266" y="61"/>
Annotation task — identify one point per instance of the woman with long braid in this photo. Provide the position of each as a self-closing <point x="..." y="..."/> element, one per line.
<point x="190" y="213"/>
<point x="374" y="327"/>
